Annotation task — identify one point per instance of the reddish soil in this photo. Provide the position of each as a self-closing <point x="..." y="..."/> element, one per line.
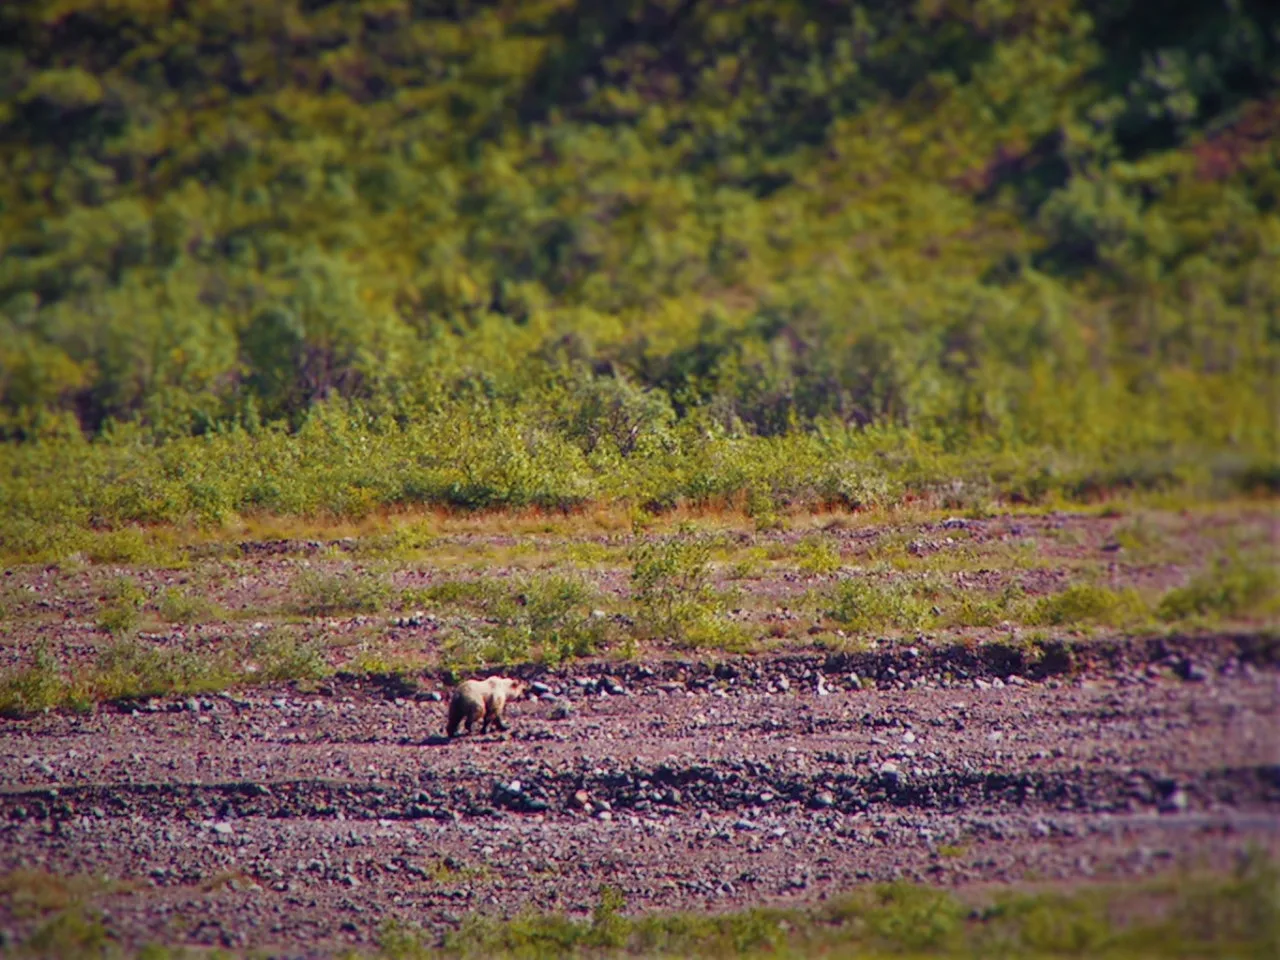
<point x="297" y="822"/>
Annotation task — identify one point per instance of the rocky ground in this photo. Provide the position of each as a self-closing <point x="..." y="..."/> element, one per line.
<point x="297" y="820"/>
<point x="294" y="822"/>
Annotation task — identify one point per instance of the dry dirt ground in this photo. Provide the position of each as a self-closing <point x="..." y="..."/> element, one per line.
<point x="296" y="821"/>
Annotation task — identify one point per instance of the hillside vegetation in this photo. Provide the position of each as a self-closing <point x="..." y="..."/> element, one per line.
<point x="308" y="256"/>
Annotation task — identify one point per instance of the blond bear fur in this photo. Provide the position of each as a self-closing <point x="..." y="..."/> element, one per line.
<point x="483" y="700"/>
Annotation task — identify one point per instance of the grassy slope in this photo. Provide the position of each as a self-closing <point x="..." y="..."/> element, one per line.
<point x="553" y="247"/>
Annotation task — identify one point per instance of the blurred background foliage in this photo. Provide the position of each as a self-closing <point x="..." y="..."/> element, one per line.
<point x="571" y="244"/>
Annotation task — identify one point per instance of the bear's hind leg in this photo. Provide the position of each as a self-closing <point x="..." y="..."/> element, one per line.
<point x="455" y="718"/>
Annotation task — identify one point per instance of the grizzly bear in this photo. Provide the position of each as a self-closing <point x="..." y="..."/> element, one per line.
<point x="483" y="700"/>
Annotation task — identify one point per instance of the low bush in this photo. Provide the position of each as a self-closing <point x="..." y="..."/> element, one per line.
<point x="1229" y="590"/>
<point x="1222" y="916"/>
<point x="673" y="592"/>
<point x="31" y="689"/>
<point x="279" y="655"/>
<point x="864" y="606"/>
<point x="818" y="555"/>
<point x="1088" y="604"/>
<point x="347" y="591"/>
<point x="180" y="606"/>
<point x="129" y="669"/>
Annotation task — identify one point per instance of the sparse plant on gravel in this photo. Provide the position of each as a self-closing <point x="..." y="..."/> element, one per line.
<point x="865" y="606"/>
<point x="126" y="590"/>
<point x="72" y="933"/>
<point x="672" y="589"/>
<point x="33" y="688"/>
<point x="1085" y="603"/>
<point x="560" y="617"/>
<point x="749" y="564"/>
<point x="122" y="612"/>
<point x="180" y="606"/>
<point x="464" y="649"/>
<point x="546" y="616"/>
<point x="981" y="609"/>
<point x="346" y="591"/>
<point x="1228" y="590"/>
<point x="280" y="655"/>
<point x="818" y="555"/>
<point x="1219" y="917"/>
<point x="130" y="669"/>
<point x="479" y="594"/>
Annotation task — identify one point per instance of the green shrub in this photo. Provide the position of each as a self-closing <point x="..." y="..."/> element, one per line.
<point x="180" y="606"/>
<point x="347" y="591"/>
<point x="279" y="655"/>
<point x="1088" y="604"/>
<point x="672" y="589"/>
<point x="126" y="590"/>
<point x="1229" y="590"/>
<point x="979" y="609"/>
<point x="118" y="619"/>
<point x="548" y="617"/>
<point x="120" y="546"/>
<point x="122" y="612"/>
<point x="481" y="594"/>
<point x="559" y="617"/>
<point x="129" y="669"/>
<point x="866" y="606"/>
<point x="818" y="555"/>
<point x="27" y="690"/>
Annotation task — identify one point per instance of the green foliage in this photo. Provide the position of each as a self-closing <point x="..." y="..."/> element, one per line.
<point x="122" y="612"/>
<point x="347" y="591"/>
<point x="523" y="254"/>
<point x="119" y="546"/>
<point x="31" y="689"/>
<point x="125" y="590"/>
<point x="557" y="612"/>
<point x="866" y="607"/>
<point x="673" y="593"/>
<point x="118" y="619"/>
<point x="279" y="655"/>
<point x="1228" y="590"/>
<point x="72" y="933"/>
<point x="548" y="617"/>
<point x="1222" y="916"/>
<point x="129" y="669"/>
<point x="818" y="555"/>
<point x="975" y="609"/>
<point x="1088" y="604"/>
<point x="481" y="594"/>
<point x="181" y="606"/>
